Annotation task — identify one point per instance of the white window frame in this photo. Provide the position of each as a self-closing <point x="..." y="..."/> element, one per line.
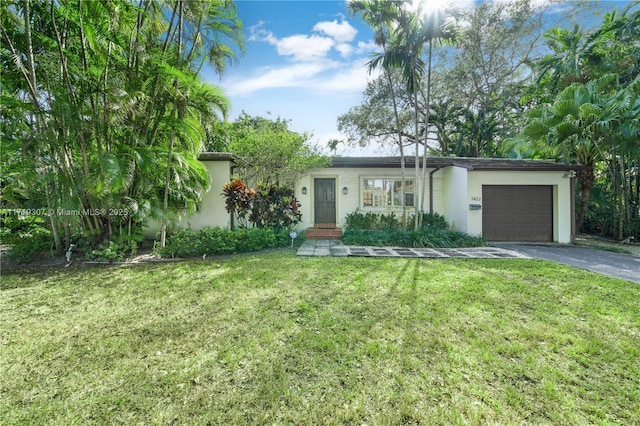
<point x="387" y="196"/>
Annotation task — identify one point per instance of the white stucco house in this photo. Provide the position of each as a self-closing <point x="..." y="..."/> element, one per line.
<point x="500" y="199"/>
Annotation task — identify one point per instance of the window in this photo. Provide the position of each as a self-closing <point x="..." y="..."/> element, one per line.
<point x="386" y="192"/>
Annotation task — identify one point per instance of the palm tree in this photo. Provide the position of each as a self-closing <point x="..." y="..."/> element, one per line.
<point x="438" y="27"/>
<point x="381" y="15"/>
<point x="575" y="127"/>
<point x="414" y="31"/>
<point x="205" y="30"/>
<point x="568" y="62"/>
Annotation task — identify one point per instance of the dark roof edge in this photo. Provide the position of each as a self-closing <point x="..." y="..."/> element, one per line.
<point x="215" y="156"/>
<point x="486" y="164"/>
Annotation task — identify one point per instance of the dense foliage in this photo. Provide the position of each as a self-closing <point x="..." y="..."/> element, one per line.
<point x="587" y="111"/>
<point x="27" y="236"/>
<point x="371" y="229"/>
<point x="210" y="241"/>
<point x="266" y="151"/>
<point x="270" y="206"/>
<point x="103" y="112"/>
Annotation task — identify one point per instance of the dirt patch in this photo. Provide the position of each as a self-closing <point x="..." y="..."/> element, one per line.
<point x="47" y="261"/>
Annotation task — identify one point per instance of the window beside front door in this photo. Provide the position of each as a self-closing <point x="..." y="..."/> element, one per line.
<point x="386" y="192"/>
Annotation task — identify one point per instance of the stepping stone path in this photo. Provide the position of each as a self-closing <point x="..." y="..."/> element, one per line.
<point x="313" y="248"/>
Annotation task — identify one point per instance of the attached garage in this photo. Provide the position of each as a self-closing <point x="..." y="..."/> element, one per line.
<point x="517" y="212"/>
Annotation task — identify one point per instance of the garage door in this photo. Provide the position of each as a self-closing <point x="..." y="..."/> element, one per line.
<point x="517" y="212"/>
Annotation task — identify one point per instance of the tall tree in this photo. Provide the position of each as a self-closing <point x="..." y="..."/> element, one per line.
<point x="581" y="58"/>
<point x="381" y="15"/>
<point x="577" y="126"/>
<point x="115" y="99"/>
<point x="267" y="152"/>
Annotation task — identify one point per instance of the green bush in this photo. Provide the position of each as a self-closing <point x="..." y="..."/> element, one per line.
<point x="371" y="221"/>
<point x="27" y="246"/>
<point x="271" y="206"/>
<point x="423" y="238"/>
<point x="433" y="221"/>
<point x="109" y="251"/>
<point x="26" y="236"/>
<point x="115" y="250"/>
<point x="216" y="241"/>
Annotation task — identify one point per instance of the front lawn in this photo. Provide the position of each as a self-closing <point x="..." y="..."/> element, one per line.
<point x="272" y="338"/>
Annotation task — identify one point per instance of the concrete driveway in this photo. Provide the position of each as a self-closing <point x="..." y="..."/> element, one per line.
<point x="607" y="263"/>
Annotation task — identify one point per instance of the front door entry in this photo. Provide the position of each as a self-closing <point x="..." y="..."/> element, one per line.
<point x="325" y="201"/>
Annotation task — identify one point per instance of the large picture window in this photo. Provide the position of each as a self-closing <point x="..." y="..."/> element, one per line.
<point x="386" y="192"/>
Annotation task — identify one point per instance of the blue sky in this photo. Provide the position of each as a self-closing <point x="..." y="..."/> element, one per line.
<point x="305" y="61"/>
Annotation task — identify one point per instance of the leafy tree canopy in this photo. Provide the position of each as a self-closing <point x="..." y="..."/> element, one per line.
<point x="267" y="151"/>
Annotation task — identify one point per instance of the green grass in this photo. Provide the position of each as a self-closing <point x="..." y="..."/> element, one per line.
<point x="275" y="339"/>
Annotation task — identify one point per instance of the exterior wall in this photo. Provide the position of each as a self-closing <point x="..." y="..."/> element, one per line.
<point x="212" y="211"/>
<point x="352" y="179"/>
<point x="454" y="194"/>
<point x="561" y="197"/>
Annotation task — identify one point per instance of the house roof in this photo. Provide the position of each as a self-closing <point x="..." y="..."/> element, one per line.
<point x="464" y="162"/>
<point x="215" y="156"/>
<point x="432" y="162"/>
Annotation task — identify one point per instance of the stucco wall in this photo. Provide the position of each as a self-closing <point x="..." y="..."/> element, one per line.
<point x="454" y="193"/>
<point x="351" y="178"/>
<point x="561" y="196"/>
<point x="212" y="211"/>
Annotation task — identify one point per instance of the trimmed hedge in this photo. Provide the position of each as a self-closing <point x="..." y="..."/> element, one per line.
<point x="216" y="241"/>
<point x="423" y="238"/>
<point x="371" y="229"/>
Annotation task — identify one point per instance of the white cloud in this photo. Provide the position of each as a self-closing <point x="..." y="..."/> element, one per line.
<point x="345" y="49"/>
<point x="296" y="75"/>
<point x="368" y="47"/>
<point x="351" y="79"/>
<point x="304" y="48"/>
<point x="341" y="32"/>
<point x="257" y="33"/>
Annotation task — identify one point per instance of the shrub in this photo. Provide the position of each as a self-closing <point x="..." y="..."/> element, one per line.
<point x="433" y="221"/>
<point x="275" y="207"/>
<point x="116" y="249"/>
<point x="29" y="245"/>
<point x="423" y="238"/>
<point x="271" y="206"/>
<point x="216" y="241"/>
<point x="26" y="236"/>
<point x="371" y="221"/>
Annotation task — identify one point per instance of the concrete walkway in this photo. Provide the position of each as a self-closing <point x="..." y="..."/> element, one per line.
<point x="335" y="248"/>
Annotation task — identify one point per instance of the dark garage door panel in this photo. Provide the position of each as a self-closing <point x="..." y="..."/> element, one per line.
<point x="517" y="212"/>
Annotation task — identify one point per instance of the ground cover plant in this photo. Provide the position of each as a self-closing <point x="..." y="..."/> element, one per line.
<point x="271" y="338"/>
<point x="210" y="241"/>
<point x="372" y="229"/>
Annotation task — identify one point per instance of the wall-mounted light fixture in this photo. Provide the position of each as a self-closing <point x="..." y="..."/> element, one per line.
<point x="304" y="190"/>
<point x="345" y="190"/>
<point x="571" y="174"/>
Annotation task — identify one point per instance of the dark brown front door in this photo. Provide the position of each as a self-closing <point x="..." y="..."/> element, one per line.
<point x="325" y="201"/>
<point x="517" y="212"/>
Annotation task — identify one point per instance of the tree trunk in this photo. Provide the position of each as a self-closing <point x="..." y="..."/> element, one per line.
<point x="417" y="186"/>
<point x="401" y="148"/>
<point x="586" y="179"/>
<point x="426" y="129"/>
